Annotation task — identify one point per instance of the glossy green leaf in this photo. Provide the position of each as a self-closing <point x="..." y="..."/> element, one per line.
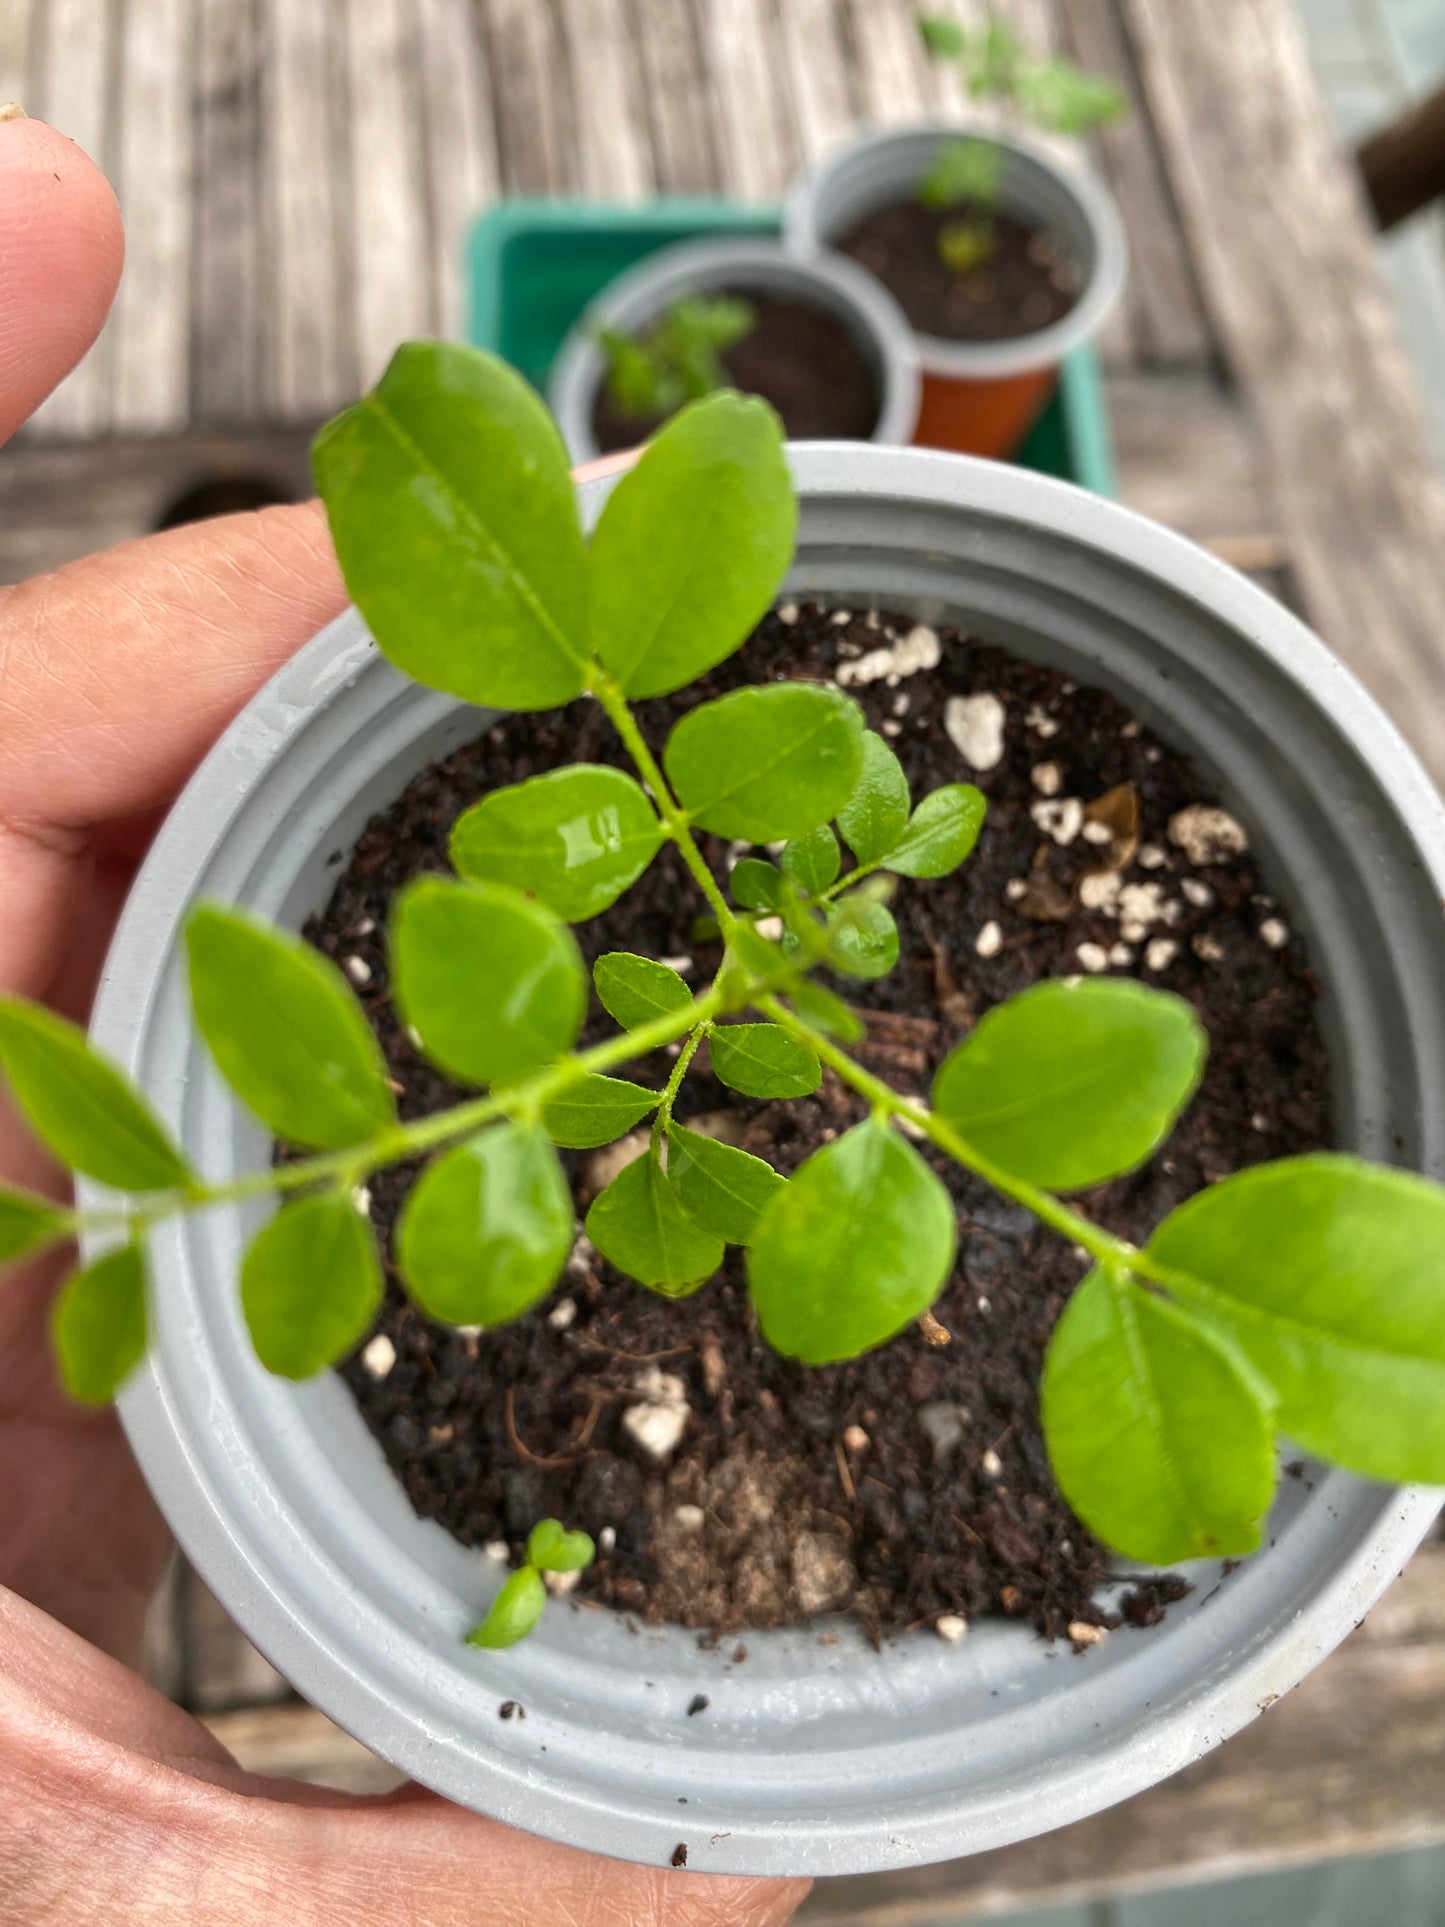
<point x="756" y="884"/>
<point x="551" y="1548"/>
<point x="576" y="838"/>
<point x="455" y="522"/>
<point x="875" y="815"/>
<point x="595" y="1110"/>
<point x="81" y="1105"/>
<point x="29" y="1223"/>
<point x="514" y="1612"/>
<point x="766" y="762"/>
<point x="941" y="832"/>
<point x="98" y="1325"/>
<point x="761" y="1060"/>
<point x="492" y="983"/>
<point x="856" y="1245"/>
<point x="635" y="990"/>
<point x="811" y="862"/>
<point x="310" y="1284"/>
<point x="639" y="1225"/>
<point x="285" y="1030"/>
<point x="1329" y="1275"/>
<point x="825" y="1011"/>
<point x="692" y="544"/>
<point x="1159" y="1442"/>
<point x="723" y="1188"/>
<point x="1070" y="1083"/>
<point x="487" y="1228"/>
<point x="862" y="938"/>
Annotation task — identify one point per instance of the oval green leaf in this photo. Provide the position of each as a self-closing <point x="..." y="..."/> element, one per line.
<point x="639" y="1224"/>
<point x="285" y="1030"/>
<point x="514" y="1612"/>
<point x="1068" y="1084"/>
<point x="576" y="838"/>
<point x="81" y="1105"/>
<point x="635" y="990"/>
<point x="551" y="1548"/>
<point x="487" y="1228"/>
<point x="491" y="982"/>
<point x="310" y="1285"/>
<point x="812" y="861"/>
<point x="941" y="832"/>
<point x="756" y="884"/>
<point x="760" y="1060"/>
<point x="876" y="814"/>
<point x="1158" y="1441"/>
<point x="1329" y="1275"/>
<point x="724" y="1188"/>
<point x="452" y="509"/>
<point x="856" y="1246"/>
<point x="595" y="1110"/>
<point x="692" y="544"/>
<point x="862" y="938"/>
<point x="767" y="762"/>
<point x="29" y="1223"/>
<point x="98" y="1325"/>
<point x="825" y="1011"/>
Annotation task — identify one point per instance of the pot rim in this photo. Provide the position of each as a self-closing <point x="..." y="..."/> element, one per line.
<point x="391" y="1672"/>
<point x="1091" y="201"/>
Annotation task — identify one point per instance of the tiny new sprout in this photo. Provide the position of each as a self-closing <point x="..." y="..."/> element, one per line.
<point x="1303" y="1298"/>
<point x="677" y="360"/>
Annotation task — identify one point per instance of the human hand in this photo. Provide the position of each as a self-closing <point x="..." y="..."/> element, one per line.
<point x="116" y="674"/>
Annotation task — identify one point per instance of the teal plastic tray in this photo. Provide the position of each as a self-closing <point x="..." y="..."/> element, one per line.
<point x="534" y="265"/>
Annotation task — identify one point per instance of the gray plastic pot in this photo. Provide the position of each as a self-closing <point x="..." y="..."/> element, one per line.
<point x="978" y="395"/>
<point x="634" y="300"/>
<point x="810" y="1758"/>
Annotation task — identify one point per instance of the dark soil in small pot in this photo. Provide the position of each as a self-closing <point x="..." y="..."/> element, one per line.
<point x="1028" y="284"/>
<point x="798" y="357"/>
<point x="729" y="1488"/>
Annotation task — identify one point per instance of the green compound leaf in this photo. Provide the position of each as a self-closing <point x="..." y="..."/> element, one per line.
<point x="943" y="38"/>
<point x="825" y="1011"/>
<point x="725" y="1189"/>
<point x="856" y="1246"/>
<point x="595" y="1110"/>
<point x="862" y="938"/>
<point x="310" y="1285"/>
<point x="876" y="814"/>
<point x="769" y="762"/>
<point x="760" y="1060"/>
<point x="692" y="544"/>
<point x="455" y="522"/>
<point x="285" y="1030"/>
<point x="635" y="990"/>
<point x="491" y="982"/>
<point x="514" y="1612"/>
<point x="811" y="862"/>
<point x="576" y="838"/>
<point x="551" y="1548"/>
<point x="1329" y="1275"/>
<point x="81" y="1105"/>
<point x="29" y="1223"/>
<point x="1159" y="1442"/>
<point x="941" y="833"/>
<point x="487" y="1228"/>
<point x="639" y="1224"/>
<point x="98" y="1326"/>
<point x="756" y="885"/>
<point x="1071" y="1083"/>
<point x="1058" y="96"/>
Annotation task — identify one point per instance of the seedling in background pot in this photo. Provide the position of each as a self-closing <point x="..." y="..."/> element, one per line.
<point x="677" y="359"/>
<point x="1304" y="1297"/>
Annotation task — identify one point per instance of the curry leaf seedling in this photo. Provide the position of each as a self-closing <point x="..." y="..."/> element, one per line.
<point x="1304" y="1298"/>
<point x="678" y="359"/>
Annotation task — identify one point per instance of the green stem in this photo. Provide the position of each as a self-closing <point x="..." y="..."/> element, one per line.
<point x="674" y="1084"/>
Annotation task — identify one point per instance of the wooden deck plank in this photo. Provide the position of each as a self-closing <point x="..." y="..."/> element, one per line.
<point x="668" y="38"/>
<point x="1279" y="234"/>
<point x="817" y="75"/>
<point x="231" y="297"/>
<point x="461" y="144"/>
<point x="533" y="127"/>
<point x="892" y="82"/>
<point x="752" y="116"/>
<point x="614" y="160"/>
<point x="19" y="33"/>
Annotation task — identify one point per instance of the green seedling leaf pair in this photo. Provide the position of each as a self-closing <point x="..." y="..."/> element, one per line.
<point x="677" y="359"/>
<point x="518" y="1606"/>
<point x="996" y="65"/>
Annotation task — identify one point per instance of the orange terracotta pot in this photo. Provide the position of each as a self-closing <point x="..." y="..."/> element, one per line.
<point x="981" y="417"/>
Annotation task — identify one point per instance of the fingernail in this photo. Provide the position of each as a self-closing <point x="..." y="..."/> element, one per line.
<point x="12" y="110"/>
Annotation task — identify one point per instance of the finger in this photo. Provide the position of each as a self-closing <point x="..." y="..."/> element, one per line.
<point x="60" y="259"/>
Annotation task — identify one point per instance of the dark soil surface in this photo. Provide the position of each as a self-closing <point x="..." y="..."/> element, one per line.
<point x="913" y="1482"/>
<point x="798" y="357"/>
<point x="1028" y="284"/>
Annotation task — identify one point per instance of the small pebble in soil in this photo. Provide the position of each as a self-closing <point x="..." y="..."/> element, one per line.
<point x="1207" y="834"/>
<point x="1151" y="857"/>
<point x="559" y="1584"/>
<point x="856" y="1439"/>
<point x="989" y="940"/>
<point x="1048" y="778"/>
<point x="1207" y="949"/>
<point x="358" y="970"/>
<point x="1059" y="817"/>
<point x="699" y="1703"/>
<point x="1083" y="1634"/>
<point x="1160" y="953"/>
<point x="1275" y="932"/>
<point x="950" y="1626"/>
<point x="1197" y="892"/>
<point x="991" y="1465"/>
<point x="512" y="1710"/>
<point x="499" y="1550"/>
<point x="1093" y="956"/>
<point x="658" y="1423"/>
<point x="379" y="1355"/>
<point x="691" y="1518"/>
<point x="975" y="727"/>
<point x="562" y="1314"/>
<point x="607" y="1539"/>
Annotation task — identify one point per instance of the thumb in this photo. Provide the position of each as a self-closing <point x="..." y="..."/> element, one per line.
<point x="61" y="249"/>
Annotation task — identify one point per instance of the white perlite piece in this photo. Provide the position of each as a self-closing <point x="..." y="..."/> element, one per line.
<point x="1048" y="778"/>
<point x="1083" y="1634"/>
<point x="916" y="651"/>
<point x="1151" y="857"/>
<point x="1197" y="891"/>
<point x="562" y="1314"/>
<point x="950" y="1626"/>
<point x="658" y="1423"/>
<point x="901" y="702"/>
<point x="787" y="612"/>
<point x="607" y="1539"/>
<point x="1206" y="834"/>
<point x="1093" y="956"/>
<point x="1121" y="955"/>
<point x="892" y="729"/>
<point x="499" y="1550"/>
<point x="1161" y="953"/>
<point x="1041" y="722"/>
<point x="559" y="1584"/>
<point x="769" y="927"/>
<point x="840" y="618"/>
<point x="691" y="1518"/>
<point x="683" y="965"/>
<point x="1098" y="833"/>
<point x="1275" y="932"/>
<point x="1015" y="888"/>
<point x="1059" y="817"/>
<point x="992" y="1464"/>
<point x="379" y="1356"/>
<point x="975" y="726"/>
<point x="989" y="940"/>
<point x="361" y="1198"/>
<point x="856" y="1439"/>
<point x="358" y="970"/>
<point x="1099" y="890"/>
<point x="1207" y="949"/>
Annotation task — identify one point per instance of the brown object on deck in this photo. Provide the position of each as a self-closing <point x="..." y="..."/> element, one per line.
<point x="1403" y="166"/>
